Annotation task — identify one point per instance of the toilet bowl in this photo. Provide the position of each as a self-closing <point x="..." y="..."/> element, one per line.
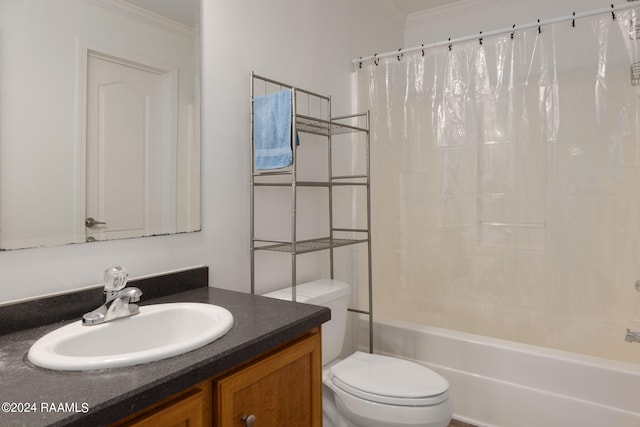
<point x="369" y="390"/>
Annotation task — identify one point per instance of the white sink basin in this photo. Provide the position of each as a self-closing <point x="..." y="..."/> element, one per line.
<point x="157" y="332"/>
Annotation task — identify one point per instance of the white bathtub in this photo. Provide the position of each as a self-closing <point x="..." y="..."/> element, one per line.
<point x="506" y="384"/>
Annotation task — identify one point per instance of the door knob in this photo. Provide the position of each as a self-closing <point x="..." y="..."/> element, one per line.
<point x="90" y="222"/>
<point x="249" y="420"/>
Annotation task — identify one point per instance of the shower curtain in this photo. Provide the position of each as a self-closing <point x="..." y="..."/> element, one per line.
<point x="506" y="185"/>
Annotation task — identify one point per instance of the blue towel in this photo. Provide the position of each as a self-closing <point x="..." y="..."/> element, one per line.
<point x="272" y="130"/>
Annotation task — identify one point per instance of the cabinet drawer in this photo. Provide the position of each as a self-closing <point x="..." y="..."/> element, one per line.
<point x="283" y="389"/>
<point x="188" y="410"/>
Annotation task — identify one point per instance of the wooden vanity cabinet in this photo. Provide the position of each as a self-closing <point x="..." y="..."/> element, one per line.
<point x="282" y="387"/>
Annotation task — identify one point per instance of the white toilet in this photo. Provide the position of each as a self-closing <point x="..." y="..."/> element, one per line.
<point x="368" y="390"/>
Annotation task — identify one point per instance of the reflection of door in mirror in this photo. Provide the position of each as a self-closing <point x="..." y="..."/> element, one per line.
<point x="130" y="149"/>
<point x="44" y="56"/>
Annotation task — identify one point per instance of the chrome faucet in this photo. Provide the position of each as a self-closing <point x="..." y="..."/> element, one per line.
<point x="118" y="299"/>
<point x="632" y="336"/>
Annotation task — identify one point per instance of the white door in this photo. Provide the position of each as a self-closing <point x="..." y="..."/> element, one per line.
<point x="129" y="130"/>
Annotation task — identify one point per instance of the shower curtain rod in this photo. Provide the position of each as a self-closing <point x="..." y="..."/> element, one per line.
<point x="613" y="9"/>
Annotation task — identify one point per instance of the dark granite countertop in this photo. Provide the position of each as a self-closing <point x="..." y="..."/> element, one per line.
<point x="97" y="398"/>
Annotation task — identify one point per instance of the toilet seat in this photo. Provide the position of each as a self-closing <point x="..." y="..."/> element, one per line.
<point x="388" y="380"/>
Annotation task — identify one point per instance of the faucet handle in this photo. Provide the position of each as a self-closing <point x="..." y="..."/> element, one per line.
<point x="115" y="278"/>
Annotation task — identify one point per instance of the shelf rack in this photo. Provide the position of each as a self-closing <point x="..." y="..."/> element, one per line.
<point x="316" y="120"/>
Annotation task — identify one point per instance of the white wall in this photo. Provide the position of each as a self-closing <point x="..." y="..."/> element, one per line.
<point x="303" y="42"/>
<point x="308" y="44"/>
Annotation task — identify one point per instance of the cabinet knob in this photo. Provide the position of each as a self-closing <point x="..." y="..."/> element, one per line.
<point x="249" y="420"/>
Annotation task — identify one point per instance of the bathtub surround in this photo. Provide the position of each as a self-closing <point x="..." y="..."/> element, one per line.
<point x="505" y="185"/>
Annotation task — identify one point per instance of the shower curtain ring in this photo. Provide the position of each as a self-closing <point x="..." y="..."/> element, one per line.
<point x="375" y="58"/>
<point x="360" y="64"/>
<point x="613" y="12"/>
<point x="480" y="38"/>
<point x="422" y="49"/>
<point x="513" y="33"/>
<point x="400" y="56"/>
<point x="539" y="27"/>
<point x="450" y="45"/>
<point x="573" y="22"/>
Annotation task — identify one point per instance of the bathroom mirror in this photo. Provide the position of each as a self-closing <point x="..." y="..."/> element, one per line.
<point x="99" y="120"/>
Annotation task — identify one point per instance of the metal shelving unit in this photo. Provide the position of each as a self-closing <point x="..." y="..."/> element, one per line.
<point x="312" y="117"/>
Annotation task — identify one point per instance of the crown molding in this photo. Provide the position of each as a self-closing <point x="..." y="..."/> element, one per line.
<point x="142" y="15"/>
<point x="461" y="7"/>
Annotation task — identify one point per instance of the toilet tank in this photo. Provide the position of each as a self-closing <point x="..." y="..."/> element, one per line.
<point x="328" y="293"/>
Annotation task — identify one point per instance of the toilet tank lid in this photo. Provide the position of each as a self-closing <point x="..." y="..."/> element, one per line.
<point x="316" y="292"/>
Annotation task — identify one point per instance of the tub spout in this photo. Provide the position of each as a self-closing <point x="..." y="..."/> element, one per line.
<point x="632" y="336"/>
